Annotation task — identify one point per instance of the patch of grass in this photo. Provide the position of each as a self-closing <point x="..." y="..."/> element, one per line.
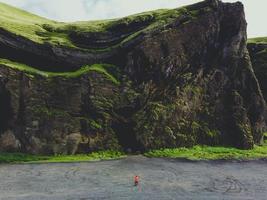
<point x="41" y="30"/>
<point x="23" y="67"/>
<point x="258" y="40"/>
<point x="28" y="25"/>
<point x="26" y="158"/>
<point x="100" y="68"/>
<point x="211" y="153"/>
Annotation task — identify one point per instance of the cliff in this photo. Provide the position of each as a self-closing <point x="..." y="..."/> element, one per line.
<point x="258" y="52"/>
<point x="166" y="78"/>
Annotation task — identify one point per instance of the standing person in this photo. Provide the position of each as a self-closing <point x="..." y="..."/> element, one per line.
<point x="136" y="180"/>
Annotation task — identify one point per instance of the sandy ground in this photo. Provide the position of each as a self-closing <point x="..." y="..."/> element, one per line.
<point x="160" y="179"/>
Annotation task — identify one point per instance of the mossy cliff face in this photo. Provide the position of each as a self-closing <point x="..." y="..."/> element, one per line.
<point x="171" y="78"/>
<point x="58" y="114"/>
<point x="258" y="52"/>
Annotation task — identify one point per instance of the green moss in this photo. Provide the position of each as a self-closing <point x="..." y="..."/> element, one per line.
<point x="100" y="68"/>
<point x="27" y="158"/>
<point x="95" y="125"/>
<point x="41" y="30"/>
<point x="21" y="22"/>
<point x="175" y="123"/>
<point x="49" y="112"/>
<point x="104" y="69"/>
<point x="22" y="67"/>
<point x="258" y="40"/>
<point x="206" y="135"/>
<point x="211" y="153"/>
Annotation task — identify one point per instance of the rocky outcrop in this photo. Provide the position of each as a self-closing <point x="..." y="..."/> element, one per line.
<point x="258" y="53"/>
<point x="172" y="78"/>
<point x="8" y="142"/>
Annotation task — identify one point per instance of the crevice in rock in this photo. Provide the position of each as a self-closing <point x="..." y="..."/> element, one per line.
<point x="6" y="112"/>
<point x="126" y="136"/>
<point x="124" y="129"/>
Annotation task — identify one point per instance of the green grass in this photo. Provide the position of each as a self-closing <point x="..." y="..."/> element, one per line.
<point x="26" y="158"/>
<point x="41" y="30"/>
<point x="195" y="153"/>
<point x="100" y="68"/>
<point x="28" y="25"/>
<point x="258" y="40"/>
<point x="211" y="153"/>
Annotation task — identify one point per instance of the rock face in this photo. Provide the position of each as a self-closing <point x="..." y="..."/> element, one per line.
<point x="168" y="78"/>
<point x="258" y="51"/>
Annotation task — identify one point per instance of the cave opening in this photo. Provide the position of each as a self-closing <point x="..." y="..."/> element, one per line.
<point x="5" y="110"/>
<point x="124" y="129"/>
<point x="127" y="137"/>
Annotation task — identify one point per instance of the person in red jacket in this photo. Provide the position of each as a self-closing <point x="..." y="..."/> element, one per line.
<point x="136" y="180"/>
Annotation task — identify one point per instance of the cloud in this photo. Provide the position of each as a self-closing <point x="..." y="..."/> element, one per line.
<point x="82" y="10"/>
<point x="76" y="10"/>
<point x="62" y="10"/>
<point x="103" y="9"/>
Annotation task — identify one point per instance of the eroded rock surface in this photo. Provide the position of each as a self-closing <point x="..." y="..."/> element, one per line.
<point x="187" y="80"/>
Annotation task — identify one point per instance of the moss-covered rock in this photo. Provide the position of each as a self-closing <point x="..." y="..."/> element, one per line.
<point x="166" y="78"/>
<point x="258" y="52"/>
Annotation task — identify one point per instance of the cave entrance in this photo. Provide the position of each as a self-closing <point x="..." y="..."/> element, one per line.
<point x="126" y="136"/>
<point x="5" y="109"/>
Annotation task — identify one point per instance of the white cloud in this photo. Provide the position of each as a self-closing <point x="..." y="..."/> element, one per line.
<point x="117" y="8"/>
<point x="81" y="10"/>
<point x="62" y="10"/>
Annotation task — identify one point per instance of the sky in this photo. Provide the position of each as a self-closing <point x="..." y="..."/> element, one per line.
<point x="84" y="10"/>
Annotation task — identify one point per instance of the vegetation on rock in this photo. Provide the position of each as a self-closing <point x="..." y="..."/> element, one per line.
<point x="258" y="40"/>
<point x="99" y="68"/>
<point x="27" y="158"/>
<point x="258" y="51"/>
<point x="212" y="153"/>
<point x="160" y="79"/>
<point x="42" y="30"/>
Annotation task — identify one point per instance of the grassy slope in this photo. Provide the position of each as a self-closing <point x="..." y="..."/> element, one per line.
<point x="212" y="153"/>
<point x="42" y="30"/>
<point x="28" y="25"/>
<point x="22" y="158"/>
<point x="258" y="40"/>
<point x="100" y="68"/>
<point x="195" y="153"/>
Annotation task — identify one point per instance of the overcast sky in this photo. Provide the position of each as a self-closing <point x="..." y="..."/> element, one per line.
<point x="80" y="10"/>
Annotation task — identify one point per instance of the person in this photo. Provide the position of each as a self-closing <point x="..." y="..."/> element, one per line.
<point x="136" y="180"/>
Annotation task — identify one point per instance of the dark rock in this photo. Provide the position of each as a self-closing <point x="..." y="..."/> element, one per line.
<point x="258" y="53"/>
<point x="188" y="81"/>
<point x="9" y="142"/>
